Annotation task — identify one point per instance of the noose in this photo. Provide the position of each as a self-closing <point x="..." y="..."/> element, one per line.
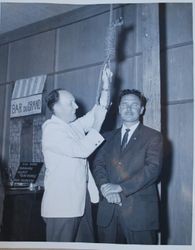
<point x="109" y="54"/>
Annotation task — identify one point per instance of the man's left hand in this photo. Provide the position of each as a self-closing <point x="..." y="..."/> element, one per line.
<point x="114" y="198"/>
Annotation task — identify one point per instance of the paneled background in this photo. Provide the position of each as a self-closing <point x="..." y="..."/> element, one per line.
<point x="177" y="121"/>
<point x="72" y="55"/>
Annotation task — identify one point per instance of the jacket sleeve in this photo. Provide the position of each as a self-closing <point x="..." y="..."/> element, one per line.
<point x="85" y="122"/>
<point x="150" y="171"/>
<point x="56" y="140"/>
<point x="99" y="167"/>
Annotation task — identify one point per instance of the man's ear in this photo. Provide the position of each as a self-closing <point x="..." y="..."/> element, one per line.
<point x="119" y="109"/>
<point x="142" y="110"/>
<point x="55" y="108"/>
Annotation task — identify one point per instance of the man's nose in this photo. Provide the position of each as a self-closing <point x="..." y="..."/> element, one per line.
<point x="129" y="107"/>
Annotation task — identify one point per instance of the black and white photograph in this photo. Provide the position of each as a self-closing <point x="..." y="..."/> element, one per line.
<point x="96" y="124"/>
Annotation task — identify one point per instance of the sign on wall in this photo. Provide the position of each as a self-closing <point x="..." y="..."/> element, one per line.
<point x="27" y="96"/>
<point x="29" y="105"/>
<point x="28" y="172"/>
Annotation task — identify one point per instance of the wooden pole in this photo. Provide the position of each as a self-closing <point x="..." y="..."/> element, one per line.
<point x="151" y="69"/>
<point x="151" y="65"/>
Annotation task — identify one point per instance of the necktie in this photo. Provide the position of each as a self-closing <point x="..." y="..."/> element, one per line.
<point x="125" y="139"/>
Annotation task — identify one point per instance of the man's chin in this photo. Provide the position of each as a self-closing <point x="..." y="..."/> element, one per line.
<point x="74" y="118"/>
<point x="130" y="120"/>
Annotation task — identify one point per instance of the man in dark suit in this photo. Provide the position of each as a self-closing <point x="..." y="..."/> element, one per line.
<point x="126" y="170"/>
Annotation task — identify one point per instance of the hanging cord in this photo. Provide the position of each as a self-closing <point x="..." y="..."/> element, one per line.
<point x="109" y="52"/>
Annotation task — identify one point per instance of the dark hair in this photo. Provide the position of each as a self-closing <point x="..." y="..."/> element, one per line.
<point x="136" y="92"/>
<point x="52" y="98"/>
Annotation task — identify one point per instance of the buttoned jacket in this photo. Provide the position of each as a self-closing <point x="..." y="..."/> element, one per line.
<point x="136" y="169"/>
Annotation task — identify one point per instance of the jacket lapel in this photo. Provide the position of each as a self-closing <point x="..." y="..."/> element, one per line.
<point x="115" y="142"/>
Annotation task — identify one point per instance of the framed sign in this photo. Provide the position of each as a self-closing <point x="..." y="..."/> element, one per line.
<point x="28" y="172"/>
<point x="28" y="105"/>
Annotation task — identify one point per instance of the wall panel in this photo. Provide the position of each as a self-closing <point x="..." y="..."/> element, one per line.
<point x="6" y="120"/>
<point x="3" y="63"/>
<point x="179" y="70"/>
<point x="81" y="43"/>
<point x="3" y="75"/>
<point x="177" y="172"/>
<point x="177" y="122"/>
<point x="131" y="31"/>
<point x="2" y="109"/>
<point x="81" y="83"/>
<point x="130" y="73"/>
<point x="178" y="23"/>
<point x="32" y="56"/>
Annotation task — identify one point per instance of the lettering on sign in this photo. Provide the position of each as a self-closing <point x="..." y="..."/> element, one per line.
<point x="29" y="105"/>
<point x="28" y="172"/>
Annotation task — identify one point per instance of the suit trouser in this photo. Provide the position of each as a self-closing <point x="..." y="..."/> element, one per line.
<point x="71" y="229"/>
<point x="117" y="232"/>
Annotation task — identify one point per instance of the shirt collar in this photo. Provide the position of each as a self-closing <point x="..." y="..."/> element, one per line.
<point x="132" y="128"/>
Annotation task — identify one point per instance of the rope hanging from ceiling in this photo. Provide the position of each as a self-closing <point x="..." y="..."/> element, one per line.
<point x="109" y="54"/>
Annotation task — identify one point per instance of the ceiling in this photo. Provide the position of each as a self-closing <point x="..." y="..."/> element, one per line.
<point x="17" y="15"/>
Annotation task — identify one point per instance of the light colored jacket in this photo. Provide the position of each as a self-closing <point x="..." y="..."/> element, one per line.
<point x="66" y="147"/>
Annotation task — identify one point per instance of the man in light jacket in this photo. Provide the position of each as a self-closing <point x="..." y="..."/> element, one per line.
<point x="66" y="144"/>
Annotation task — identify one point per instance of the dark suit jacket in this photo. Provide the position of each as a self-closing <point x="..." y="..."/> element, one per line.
<point x="137" y="170"/>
